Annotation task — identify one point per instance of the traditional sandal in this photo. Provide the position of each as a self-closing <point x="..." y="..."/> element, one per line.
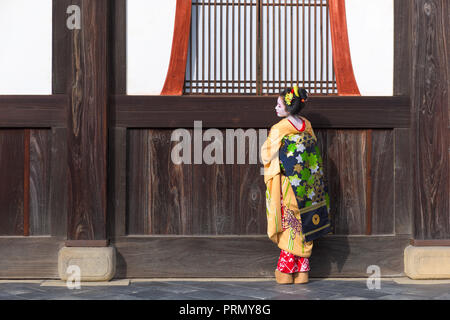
<point x="301" y="277"/>
<point x="283" y="278"/>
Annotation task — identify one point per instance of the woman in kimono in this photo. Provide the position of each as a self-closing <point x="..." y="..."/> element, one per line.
<point x="297" y="202"/>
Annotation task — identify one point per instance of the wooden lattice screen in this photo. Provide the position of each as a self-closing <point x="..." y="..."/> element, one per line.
<point x="259" y="47"/>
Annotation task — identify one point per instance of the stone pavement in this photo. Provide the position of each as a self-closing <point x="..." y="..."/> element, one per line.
<point x="226" y="289"/>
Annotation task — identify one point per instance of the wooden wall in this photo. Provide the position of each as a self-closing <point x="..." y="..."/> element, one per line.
<point x="25" y="161"/>
<point x="386" y="164"/>
<point x="224" y="199"/>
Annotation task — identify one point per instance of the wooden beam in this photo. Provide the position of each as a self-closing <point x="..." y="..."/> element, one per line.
<point x="343" y="68"/>
<point x="33" y="111"/>
<point x="340" y="256"/>
<point x="29" y="257"/>
<point x="256" y="112"/>
<point x="177" y="67"/>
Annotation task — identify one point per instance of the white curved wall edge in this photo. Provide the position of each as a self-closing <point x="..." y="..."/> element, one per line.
<point x="26" y="47"/>
<point x="371" y="38"/>
<point x="150" y="25"/>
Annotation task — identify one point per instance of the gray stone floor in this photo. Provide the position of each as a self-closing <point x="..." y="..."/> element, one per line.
<point x="227" y="289"/>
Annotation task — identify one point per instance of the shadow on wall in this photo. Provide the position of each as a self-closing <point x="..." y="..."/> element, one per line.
<point x="331" y="252"/>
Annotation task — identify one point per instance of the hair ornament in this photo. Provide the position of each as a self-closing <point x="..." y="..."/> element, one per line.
<point x="295" y="90"/>
<point x="288" y="98"/>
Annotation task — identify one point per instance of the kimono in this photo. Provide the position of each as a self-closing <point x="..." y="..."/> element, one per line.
<point x="297" y="201"/>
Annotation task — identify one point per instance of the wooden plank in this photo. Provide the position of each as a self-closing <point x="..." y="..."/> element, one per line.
<point x="180" y="44"/>
<point x="87" y="125"/>
<point x="170" y="187"/>
<point x="249" y="190"/>
<point x="58" y="183"/>
<point x="159" y="191"/>
<point x="402" y="181"/>
<point x="40" y="156"/>
<point x="430" y="101"/>
<point x="118" y="47"/>
<point x="402" y="47"/>
<point x="382" y="182"/>
<point x="33" y="111"/>
<point x="26" y="182"/>
<point x="349" y="256"/>
<point x="61" y="47"/>
<point x="117" y="181"/>
<point x="213" y="187"/>
<point x="29" y="257"/>
<point x="138" y="186"/>
<point x="346" y="163"/>
<point x="229" y="256"/>
<point x="12" y="186"/>
<point x="256" y="112"/>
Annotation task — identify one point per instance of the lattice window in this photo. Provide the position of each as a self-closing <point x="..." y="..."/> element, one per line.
<point x="259" y="47"/>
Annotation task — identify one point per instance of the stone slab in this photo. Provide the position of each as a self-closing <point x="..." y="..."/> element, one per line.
<point x="87" y="263"/>
<point x="427" y="262"/>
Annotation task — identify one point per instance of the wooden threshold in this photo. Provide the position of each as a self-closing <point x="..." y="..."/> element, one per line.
<point x="230" y="256"/>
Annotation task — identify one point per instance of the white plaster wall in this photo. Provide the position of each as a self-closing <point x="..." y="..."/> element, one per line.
<point x="26" y="46"/>
<point x="150" y="32"/>
<point x="150" y="26"/>
<point x="371" y="37"/>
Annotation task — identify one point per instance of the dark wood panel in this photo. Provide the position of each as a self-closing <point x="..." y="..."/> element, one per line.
<point x="61" y="47"/>
<point x="229" y="256"/>
<point x="402" y="47"/>
<point x="430" y="100"/>
<point x="12" y="183"/>
<point x="382" y="174"/>
<point x="346" y="169"/>
<point x="170" y="187"/>
<point x="349" y="256"/>
<point x="58" y="185"/>
<point x="213" y="188"/>
<point x="117" y="181"/>
<point x="138" y="186"/>
<point x="40" y="155"/>
<point x="33" y="111"/>
<point x="256" y="112"/>
<point x="249" y="190"/>
<point x="118" y="46"/>
<point x="159" y="191"/>
<point x="29" y="257"/>
<point x="402" y="182"/>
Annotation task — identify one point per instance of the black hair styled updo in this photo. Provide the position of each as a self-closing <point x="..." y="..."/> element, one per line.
<point x="296" y="104"/>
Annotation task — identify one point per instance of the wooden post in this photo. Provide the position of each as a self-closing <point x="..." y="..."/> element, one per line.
<point x="81" y="71"/>
<point x="428" y="256"/>
<point x="430" y="119"/>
